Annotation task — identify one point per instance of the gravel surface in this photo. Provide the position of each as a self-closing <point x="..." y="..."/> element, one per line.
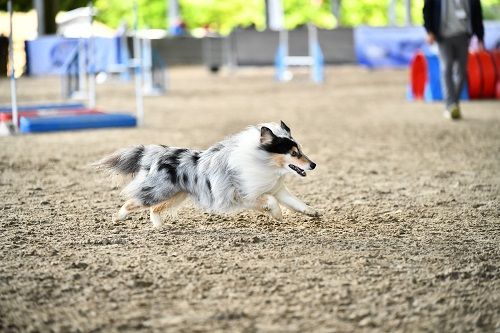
<point x="408" y="240"/>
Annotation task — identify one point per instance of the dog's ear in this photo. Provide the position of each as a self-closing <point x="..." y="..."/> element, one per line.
<point x="266" y="135"/>
<point x="285" y="127"/>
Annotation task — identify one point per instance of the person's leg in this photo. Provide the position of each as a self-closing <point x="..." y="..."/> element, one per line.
<point x="446" y="59"/>
<point x="462" y="55"/>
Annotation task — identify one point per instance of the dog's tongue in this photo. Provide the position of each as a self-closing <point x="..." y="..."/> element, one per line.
<point x="297" y="170"/>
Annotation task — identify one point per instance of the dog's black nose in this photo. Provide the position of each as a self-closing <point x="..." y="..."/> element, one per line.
<point x="313" y="165"/>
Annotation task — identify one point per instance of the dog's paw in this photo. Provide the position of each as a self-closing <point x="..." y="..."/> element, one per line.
<point x="156" y="220"/>
<point x="116" y="218"/>
<point x="312" y="212"/>
<point x="277" y="215"/>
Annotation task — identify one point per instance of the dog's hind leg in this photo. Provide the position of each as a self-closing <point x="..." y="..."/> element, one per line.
<point x="268" y="203"/>
<point x="171" y="203"/>
<point x="129" y="206"/>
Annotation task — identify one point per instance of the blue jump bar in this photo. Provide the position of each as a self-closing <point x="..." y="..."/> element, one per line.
<point x="76" y="122"/>
<point x="34" y="107"/>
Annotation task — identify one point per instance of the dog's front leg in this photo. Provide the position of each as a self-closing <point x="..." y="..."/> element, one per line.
<point x="294" y="203"/>
<point x="268" y="203"/>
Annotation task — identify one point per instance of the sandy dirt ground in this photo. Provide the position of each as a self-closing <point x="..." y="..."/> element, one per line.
<point x="409" y="239"/>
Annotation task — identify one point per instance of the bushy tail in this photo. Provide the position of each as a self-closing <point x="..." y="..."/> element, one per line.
<point x="124" y="161"/>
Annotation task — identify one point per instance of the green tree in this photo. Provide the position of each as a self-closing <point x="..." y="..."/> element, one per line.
<point x="299" y="12"/>
<point x="151" y="13"/>
<point x="375" y="12"/>
<point x="223" y="15"/>
<point x="27" y="5"/>
<point x="51" y="8"/>
<point x="218" y="15"/>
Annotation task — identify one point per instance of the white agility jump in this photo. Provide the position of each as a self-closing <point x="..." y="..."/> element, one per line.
<point x="283" y="60"/>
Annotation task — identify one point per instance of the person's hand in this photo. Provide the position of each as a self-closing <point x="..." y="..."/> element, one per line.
<point x="480" y="45"/>
<point x="431" y="38"/>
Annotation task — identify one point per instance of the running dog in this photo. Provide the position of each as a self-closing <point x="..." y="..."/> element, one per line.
<point x="244" y="171"/>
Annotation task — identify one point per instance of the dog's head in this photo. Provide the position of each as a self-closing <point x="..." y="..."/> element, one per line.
<point x="285" y="152"/>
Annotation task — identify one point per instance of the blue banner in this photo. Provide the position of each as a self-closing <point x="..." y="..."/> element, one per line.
<point x="47" y="55"/>
<point x="379" y="47"/>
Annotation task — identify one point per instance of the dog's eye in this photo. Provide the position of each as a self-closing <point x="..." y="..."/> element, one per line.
<point x="294" y="153"/>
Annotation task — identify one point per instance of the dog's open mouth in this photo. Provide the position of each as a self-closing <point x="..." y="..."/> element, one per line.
<point x="297" y="170"/>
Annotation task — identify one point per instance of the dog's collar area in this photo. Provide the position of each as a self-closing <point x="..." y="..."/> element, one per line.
<point x="297" y="170"/>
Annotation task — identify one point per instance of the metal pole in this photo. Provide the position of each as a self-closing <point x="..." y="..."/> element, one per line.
<point x="91" y="60"/>
<point x="283" y="40"/>
<point x="336" y="11"/>
<point x="408" y="12"/>
<point x="392" y="12"/>
<point x="147" y="66"/>
<point x="40" y="15"/>
<point x="82" y="68"/>
<point x="13" y="95"/>
<point x="312" y="38"/>
<point x="139" y="104"/>
<point x="173" y="17"/>
<point x="229" y="52"/>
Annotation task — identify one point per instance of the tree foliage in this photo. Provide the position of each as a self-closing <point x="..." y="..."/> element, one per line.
<point x="26" y="5"/>
<point x="151" y="13"/>
<point x="224" y="15"/>
<point x="217" y="15"/>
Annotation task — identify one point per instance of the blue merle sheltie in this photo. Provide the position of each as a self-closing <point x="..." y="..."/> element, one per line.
<point x="244" y="171"/>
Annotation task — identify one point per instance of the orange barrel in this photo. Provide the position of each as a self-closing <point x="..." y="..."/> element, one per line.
<point x="418" y="75"/>
<point x="474" y="79"/>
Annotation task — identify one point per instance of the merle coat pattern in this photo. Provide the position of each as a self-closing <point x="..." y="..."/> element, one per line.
<point x="244" y="171"/>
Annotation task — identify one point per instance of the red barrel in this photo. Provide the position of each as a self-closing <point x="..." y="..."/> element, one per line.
<point x="474" y="79"/>
<point x="418" y="75"/>
<point x="5" y="117"/>
<point x="488" y="74"/>
<point x="495" y="54"/>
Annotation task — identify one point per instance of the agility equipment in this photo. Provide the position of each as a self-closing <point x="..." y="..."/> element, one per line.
<point x="152" y="66"/>
<point x="71" y="122"/>
<point x="13" y="94"/>
<point x="315" y="59"/>
<point x="47" y="107"/>
<point x="81" y="81"/>
<point x="418" y="76"/>
<point x="481" y="75"/>
<point x="282" y="60"/>
<point x="6" y="117"/>
<point x="474" y="76"/>
<point x="496" y="61"/>
<point x="425" y="78"/>
<point x="9" y="119"/>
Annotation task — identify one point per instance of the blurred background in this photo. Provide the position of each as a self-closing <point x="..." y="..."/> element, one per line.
<point x="82" y="45"/>
<point x="186" y="23"/>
